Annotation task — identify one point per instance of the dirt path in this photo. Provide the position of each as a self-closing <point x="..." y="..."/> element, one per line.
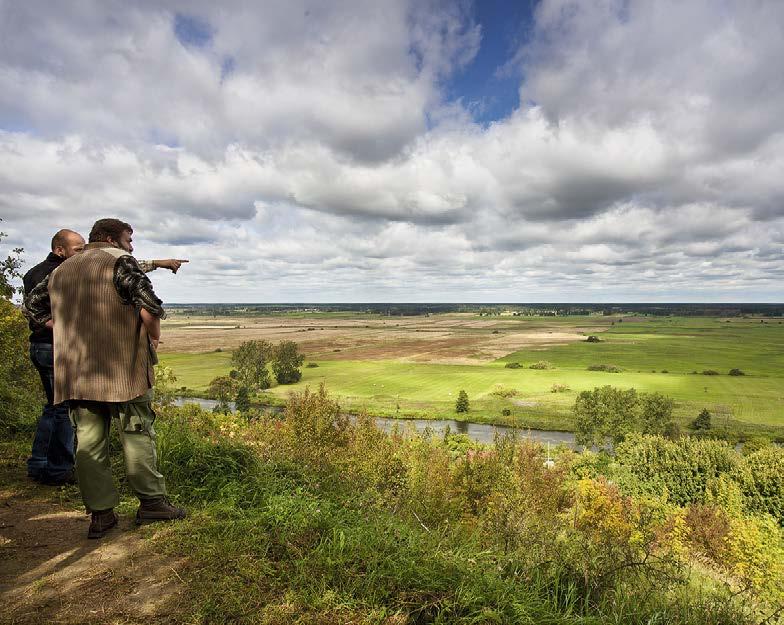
<point x="51" y="573"/>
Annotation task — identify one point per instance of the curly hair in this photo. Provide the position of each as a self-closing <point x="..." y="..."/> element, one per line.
<point x="105" y="228"/>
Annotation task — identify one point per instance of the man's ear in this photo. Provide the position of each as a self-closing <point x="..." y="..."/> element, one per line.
<point x="59" y="250"/>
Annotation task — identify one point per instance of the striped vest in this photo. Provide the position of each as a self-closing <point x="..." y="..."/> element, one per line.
<point x="101" y="349"/>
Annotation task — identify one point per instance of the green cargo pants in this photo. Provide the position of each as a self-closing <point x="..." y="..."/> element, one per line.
<point x="91" y="420"/>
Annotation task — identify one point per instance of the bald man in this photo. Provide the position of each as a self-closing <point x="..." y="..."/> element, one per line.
<point x="52" y="459"/>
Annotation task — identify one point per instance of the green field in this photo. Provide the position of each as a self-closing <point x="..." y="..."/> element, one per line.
<point x="641" y="348"/>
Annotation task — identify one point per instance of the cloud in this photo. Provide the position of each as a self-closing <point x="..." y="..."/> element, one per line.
<point x="308" y="151"/>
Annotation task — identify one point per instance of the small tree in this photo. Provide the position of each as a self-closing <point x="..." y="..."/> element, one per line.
<point x="165" y="391"/>
<point x="703" y="420"/>
<point x="250" y="361"/>
<point x="603" y="413"/>
<point x="461" y="405"/>
<point x="9" y="270"/>
<point x="242" y="401"/>
<point x="287" y="362"/>
<point x="221" y="388"/>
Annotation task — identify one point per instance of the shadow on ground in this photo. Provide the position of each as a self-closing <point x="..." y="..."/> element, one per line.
<point x="51" y="573"/>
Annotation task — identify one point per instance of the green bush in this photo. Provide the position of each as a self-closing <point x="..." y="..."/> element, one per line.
<point x="736" y="372"/>
<point x="513" y="365"/>
<point x="315" y="518"/>
<point x="703" y="420"/>
<point x="605" y="368"/>
<point x="21" y="394"/>
<point x="541" y="365"/>
<point x="682" y="467"/>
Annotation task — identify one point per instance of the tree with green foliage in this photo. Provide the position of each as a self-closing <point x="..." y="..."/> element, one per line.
<point x="703" y="420"/>
<point x="287" y="362"/>
<point x="656" y="413"/>
<point x="603" y="413"/>
<point x="9" y="270"/>
<point x="221" y="389"/>
<point x="250" y="361"/>
<point x="20" y="386"/>
<point x="242" y="400"/>
<point x="165" y="390"/>
<point x="461" y="405"/>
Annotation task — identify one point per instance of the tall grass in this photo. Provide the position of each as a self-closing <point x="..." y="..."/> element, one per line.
<point x="313" y="518"/>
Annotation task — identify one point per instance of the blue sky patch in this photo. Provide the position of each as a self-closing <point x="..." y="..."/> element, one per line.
<point x="489" y="93"/>
<point x="191" y="31"/>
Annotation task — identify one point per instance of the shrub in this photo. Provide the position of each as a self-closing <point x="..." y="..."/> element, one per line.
<point x="513" y="365"/>
<point x="504" y="392"/>
<point x="710" y="372"/>
<point x="683" y="467"/>
<point x="763" y="483"/>
<point x="593" y="339"/>
<point x="21" y="394"/>
<point x="312" y="365"/>
<point x="559" y="388"/>
<point x="542" y="364"/>
<point x="606" y="368"/>
<point x="736" y="372"/>
<point x="703" y="420"/>
<point x="506" y="412"/>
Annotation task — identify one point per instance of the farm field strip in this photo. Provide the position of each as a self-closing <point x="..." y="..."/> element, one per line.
<point x="642" y="349"/>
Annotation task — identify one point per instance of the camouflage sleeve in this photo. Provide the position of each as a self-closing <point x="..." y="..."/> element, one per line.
<point x="147" y="265"/>
<point x="37" y="307"/>
<point x="135" y="288"/>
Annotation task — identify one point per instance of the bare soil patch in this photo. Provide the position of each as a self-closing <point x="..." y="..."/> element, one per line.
<point x="51" y="573"/>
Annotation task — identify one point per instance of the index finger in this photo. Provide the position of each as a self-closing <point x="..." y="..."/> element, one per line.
<point x="182" y="260"/>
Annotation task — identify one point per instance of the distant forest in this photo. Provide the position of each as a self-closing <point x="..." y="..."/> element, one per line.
<point x="489" y="309"/>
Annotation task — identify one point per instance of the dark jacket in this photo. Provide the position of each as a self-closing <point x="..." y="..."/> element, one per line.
<point x="36" y="275"/>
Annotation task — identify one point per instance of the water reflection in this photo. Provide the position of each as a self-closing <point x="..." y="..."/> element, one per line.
<point x="481" y="432"/>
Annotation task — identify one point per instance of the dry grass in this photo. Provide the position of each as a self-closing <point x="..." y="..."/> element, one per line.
<point x="448" y="339"/>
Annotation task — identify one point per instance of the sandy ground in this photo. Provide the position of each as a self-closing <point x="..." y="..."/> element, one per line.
<point x="51" y="573"/>
<point x="439" y="339"/>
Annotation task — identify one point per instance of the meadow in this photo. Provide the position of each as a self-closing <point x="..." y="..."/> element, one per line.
<point x="415" y="366"/>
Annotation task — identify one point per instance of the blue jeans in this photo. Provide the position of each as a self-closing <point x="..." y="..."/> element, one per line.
<point x="52" y="458"/>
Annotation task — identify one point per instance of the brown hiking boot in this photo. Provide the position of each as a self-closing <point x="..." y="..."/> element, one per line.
<point x="102" y="521"/>
<point x="157" y="509"/>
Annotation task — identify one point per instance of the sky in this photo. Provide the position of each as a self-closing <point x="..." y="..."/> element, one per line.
<point x="405" y="151"/>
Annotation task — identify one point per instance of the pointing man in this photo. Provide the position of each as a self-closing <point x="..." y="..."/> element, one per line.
<point x="52" y="458"/>
<point x="106" y="320"/>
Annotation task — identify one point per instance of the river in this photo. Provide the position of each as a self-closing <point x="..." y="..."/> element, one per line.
<point x="481" y="432"/>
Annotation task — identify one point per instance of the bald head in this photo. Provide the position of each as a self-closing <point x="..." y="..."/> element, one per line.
<point x="66" y="243"/>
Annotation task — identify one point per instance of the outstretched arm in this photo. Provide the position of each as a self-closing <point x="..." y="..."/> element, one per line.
<point x="172" y="264"/>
